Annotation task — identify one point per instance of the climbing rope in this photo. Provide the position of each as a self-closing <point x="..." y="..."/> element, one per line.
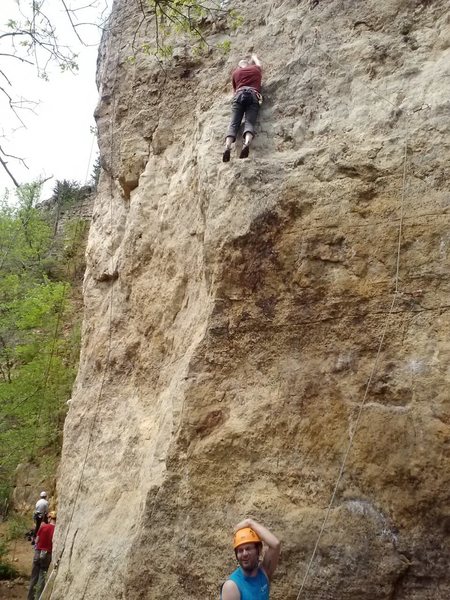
<point x="368" y="385"/>
<point x="377" y="356"/>
<point x="369" y="381"/>
<point x="88" y="168"/>
<point x="52" y="578"/>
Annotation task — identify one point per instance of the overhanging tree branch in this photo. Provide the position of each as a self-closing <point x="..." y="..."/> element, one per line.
<point x="69" y="16"/>
<point x="32" y="39"/>
<point x="5" y="166"/>
<point x="171" y="18"/>
<point x="20" y="58"/>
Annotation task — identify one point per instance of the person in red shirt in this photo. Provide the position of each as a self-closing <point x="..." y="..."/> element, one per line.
<point x="247" y="97"/>
<point x="42" y="557"/>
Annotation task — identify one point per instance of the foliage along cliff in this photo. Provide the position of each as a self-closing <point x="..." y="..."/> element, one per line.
<point x="41" y="268"/>
<point x="245" y="321"/>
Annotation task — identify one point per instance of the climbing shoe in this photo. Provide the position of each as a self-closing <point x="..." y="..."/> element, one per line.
<point x="226" y="155"/>
<point x="244" y="152"/>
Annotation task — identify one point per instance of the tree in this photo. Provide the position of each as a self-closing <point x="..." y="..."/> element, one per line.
<point x="38" y="343"/>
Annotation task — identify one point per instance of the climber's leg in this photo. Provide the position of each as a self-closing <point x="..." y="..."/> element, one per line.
<point x="227" y="152"/>
<point x="246" y="145"/>
<point x="236" y="117"/>
<point x="251" y="114"/>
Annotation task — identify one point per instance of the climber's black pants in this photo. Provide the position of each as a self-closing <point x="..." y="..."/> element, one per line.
<point x="41" y="563"/>
<point x="39" y="518"/>
<point x="245" y="103"/>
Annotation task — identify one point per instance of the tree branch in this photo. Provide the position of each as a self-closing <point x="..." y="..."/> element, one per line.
<point x="69" y="16"/>
<point x="5" y="76"/>
<point x="24" y="60"/>
<point x="15" y="157"/>
<point x="5" y="166"/>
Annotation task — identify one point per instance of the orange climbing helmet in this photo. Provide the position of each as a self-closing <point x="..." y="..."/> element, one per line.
<point x="245" y="536"/>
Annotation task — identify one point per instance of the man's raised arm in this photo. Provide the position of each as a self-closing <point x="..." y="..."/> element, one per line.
<point x="272" y="554"/>
<point x="256" y="60"/>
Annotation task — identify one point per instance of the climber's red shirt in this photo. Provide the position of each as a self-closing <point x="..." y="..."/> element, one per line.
<point x="247" y="77"/>
<point x="45" y="537"/>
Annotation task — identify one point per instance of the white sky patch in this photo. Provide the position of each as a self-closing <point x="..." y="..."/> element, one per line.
<point x="57" y="141"/>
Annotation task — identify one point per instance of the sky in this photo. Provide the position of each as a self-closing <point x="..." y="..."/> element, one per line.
<point x="57" y="141"/>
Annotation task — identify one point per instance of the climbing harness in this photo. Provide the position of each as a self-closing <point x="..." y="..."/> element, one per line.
<point x="247" y="95"/>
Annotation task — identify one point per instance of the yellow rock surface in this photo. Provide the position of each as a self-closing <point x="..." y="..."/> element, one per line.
<point x="235" y="313"/>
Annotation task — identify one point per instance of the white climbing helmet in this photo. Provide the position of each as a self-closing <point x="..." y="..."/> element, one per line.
<point x="43" y="494"/>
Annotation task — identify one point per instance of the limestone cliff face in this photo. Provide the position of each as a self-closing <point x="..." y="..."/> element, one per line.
<point x="235" y="313"/>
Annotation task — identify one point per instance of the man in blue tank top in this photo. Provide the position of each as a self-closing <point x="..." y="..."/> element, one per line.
<point x="251" y="580"/>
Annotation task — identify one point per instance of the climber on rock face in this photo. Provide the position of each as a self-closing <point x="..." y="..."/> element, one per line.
<point x="251" y="580"/>
<point x="246" y="100"/>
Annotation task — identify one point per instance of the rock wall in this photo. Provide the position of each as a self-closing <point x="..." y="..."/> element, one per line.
<point x="245" y="321"/>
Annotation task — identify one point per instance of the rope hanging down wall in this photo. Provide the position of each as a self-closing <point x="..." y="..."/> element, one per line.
<point x="380" y="344"/>
<point x="368" y="384"/>
<point x="46" y="593"/>
<point x="383" y="333"/>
